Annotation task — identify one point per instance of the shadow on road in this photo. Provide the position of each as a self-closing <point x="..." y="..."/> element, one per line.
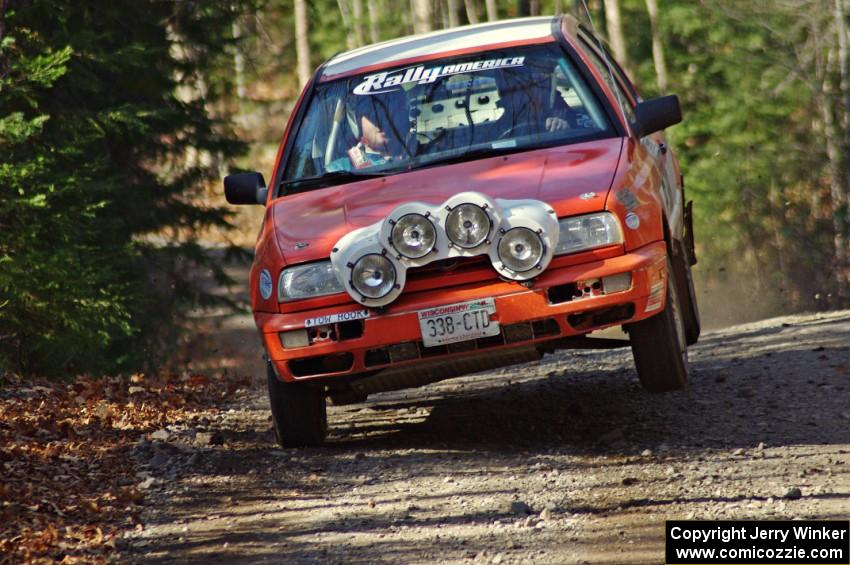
<point x="430" y="470"/>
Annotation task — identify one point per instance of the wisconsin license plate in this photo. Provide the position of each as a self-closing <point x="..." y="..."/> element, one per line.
<point x="458" y="322"/>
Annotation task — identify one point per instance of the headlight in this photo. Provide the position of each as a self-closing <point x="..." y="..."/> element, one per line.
<point x="413" y="236"/>
<point x="373" y="276"/>
<point x="468" y="226"/>
<point x="587" y="232"/>
<point x="520" y="249"/>
<point x="307" y="281"/>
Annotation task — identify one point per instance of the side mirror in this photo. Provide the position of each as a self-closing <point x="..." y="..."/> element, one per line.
<point x="245" y="188"/>
<point x="657" y="114"/>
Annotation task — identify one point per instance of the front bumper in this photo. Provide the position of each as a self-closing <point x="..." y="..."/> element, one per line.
<point x="528" y="317"/>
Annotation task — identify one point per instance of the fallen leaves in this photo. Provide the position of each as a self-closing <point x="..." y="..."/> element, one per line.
<point x="67" y="477"/>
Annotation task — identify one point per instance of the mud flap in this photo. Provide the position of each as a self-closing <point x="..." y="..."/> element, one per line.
<point x="689" y="233"/>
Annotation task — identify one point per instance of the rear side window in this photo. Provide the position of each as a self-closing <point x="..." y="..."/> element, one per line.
<point x="615" y="85"/>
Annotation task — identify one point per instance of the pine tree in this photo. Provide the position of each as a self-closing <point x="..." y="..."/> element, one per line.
<point x="101" y="160"/>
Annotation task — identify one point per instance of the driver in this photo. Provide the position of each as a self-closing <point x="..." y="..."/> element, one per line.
<point x="383" y="120"/>
<point x="533" y="101"/>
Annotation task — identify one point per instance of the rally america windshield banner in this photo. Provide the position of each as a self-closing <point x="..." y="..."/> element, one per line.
<point x="387" y="82"/>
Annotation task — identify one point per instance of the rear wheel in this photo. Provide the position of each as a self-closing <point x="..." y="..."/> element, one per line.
<point x="659" y="345"/>
<point x="299" y="412"/>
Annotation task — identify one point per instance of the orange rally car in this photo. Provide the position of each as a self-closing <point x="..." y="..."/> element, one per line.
<point x="463" y="200"/>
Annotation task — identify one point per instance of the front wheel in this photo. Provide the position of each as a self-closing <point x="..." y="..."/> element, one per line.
<point x="659" y="344"/>
<point x="299" y="412"/>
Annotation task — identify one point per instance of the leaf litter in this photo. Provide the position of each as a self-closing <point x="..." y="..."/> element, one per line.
<point x="68" y="481"/>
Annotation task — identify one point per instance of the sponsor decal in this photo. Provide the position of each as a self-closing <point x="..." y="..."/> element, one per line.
<point x="655" y="295"/>
<point x="588" y="195"/>
<point x="387" y="82"/>
<point x="632" y="221"/>
<point x="336" y="318"/>
<point x="628" y="199"/>
<point x="265" y="284"/>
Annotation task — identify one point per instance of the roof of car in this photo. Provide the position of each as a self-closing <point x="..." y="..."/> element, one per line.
<point x="454" y="39"/>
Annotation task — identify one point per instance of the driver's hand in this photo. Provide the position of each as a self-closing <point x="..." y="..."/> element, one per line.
<point x="556" y="124"/>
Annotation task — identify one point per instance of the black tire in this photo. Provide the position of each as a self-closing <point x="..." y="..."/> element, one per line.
<point x="299" y="412"/>
<point x="659" y="346"/>
<point x="687" y="294"/>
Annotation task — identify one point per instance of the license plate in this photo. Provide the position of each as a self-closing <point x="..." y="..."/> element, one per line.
<point x="458" y="322"/>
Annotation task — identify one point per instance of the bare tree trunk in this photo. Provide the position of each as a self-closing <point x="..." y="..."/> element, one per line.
<point x="238" y="61"/>
<point x="841" y="206"/>
<point x="844" y="85"/>
<point x="523" y="8"/>
<point x="421" y="16"/>
<point x="534" y="8"/>
<point x="471" y="11"/>
<point x="658" y="46"/>
<point x="357" y="14"/>
<point x="345" y="14"/>
<point x="557" y="9"/>
<point x="837" y="182"/>
<point x="615" y="31"/>
<point x="374" y="29"/>
<point x="302" y="45"/>
<point x="407" y="18"/>
<point x="441" y="15"/>
<point x="452" y="9"/>
<point x="492" y="12"/>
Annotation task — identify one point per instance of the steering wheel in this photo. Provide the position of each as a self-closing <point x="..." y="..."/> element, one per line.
<point x="517" y="126"/>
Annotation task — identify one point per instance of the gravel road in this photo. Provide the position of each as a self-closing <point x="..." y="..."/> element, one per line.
<point x="562" y="461"/>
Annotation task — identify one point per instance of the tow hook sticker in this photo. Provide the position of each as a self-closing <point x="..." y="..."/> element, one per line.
<point x="336" y="318"/>
<point x="265" y="284"/>
<point x="655" y="294"/>
<point x="632" y="221"/>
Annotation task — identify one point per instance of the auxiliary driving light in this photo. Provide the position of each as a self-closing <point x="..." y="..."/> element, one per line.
<point x="468" y="226"/>
<point x="414" y="236"/>
<point x="520" y="249"/>
<point x="373" y="276"/>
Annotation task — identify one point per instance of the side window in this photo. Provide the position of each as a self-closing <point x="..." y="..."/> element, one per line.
<point x="603" y="69"/>
<point x="572" y="91"/>
<point x="621" y="75"/>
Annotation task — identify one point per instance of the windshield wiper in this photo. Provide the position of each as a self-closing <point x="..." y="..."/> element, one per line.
<point x="332" y="178"/>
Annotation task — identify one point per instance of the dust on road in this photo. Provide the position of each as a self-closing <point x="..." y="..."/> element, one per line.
<point x="562" y="461"/>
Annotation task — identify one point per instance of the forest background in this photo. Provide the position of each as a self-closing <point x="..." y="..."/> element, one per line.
<point x="118" y="120"/>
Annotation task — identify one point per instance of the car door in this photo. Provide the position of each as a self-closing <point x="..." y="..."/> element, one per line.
<point x="655" y="145"/>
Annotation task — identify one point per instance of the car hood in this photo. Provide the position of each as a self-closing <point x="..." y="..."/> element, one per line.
<point x="308" y="224"/>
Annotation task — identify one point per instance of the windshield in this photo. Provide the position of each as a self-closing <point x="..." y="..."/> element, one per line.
<point x="445" y="110"/>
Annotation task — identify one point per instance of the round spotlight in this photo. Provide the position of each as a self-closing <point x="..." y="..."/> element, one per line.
<point x="373" y="276"/>
<point x="468" y="226"/>
<point x="520" y="249"/>
<point x="413" y="236"/>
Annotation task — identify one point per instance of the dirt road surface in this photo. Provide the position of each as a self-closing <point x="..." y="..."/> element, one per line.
<point x="563" y="461"/>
